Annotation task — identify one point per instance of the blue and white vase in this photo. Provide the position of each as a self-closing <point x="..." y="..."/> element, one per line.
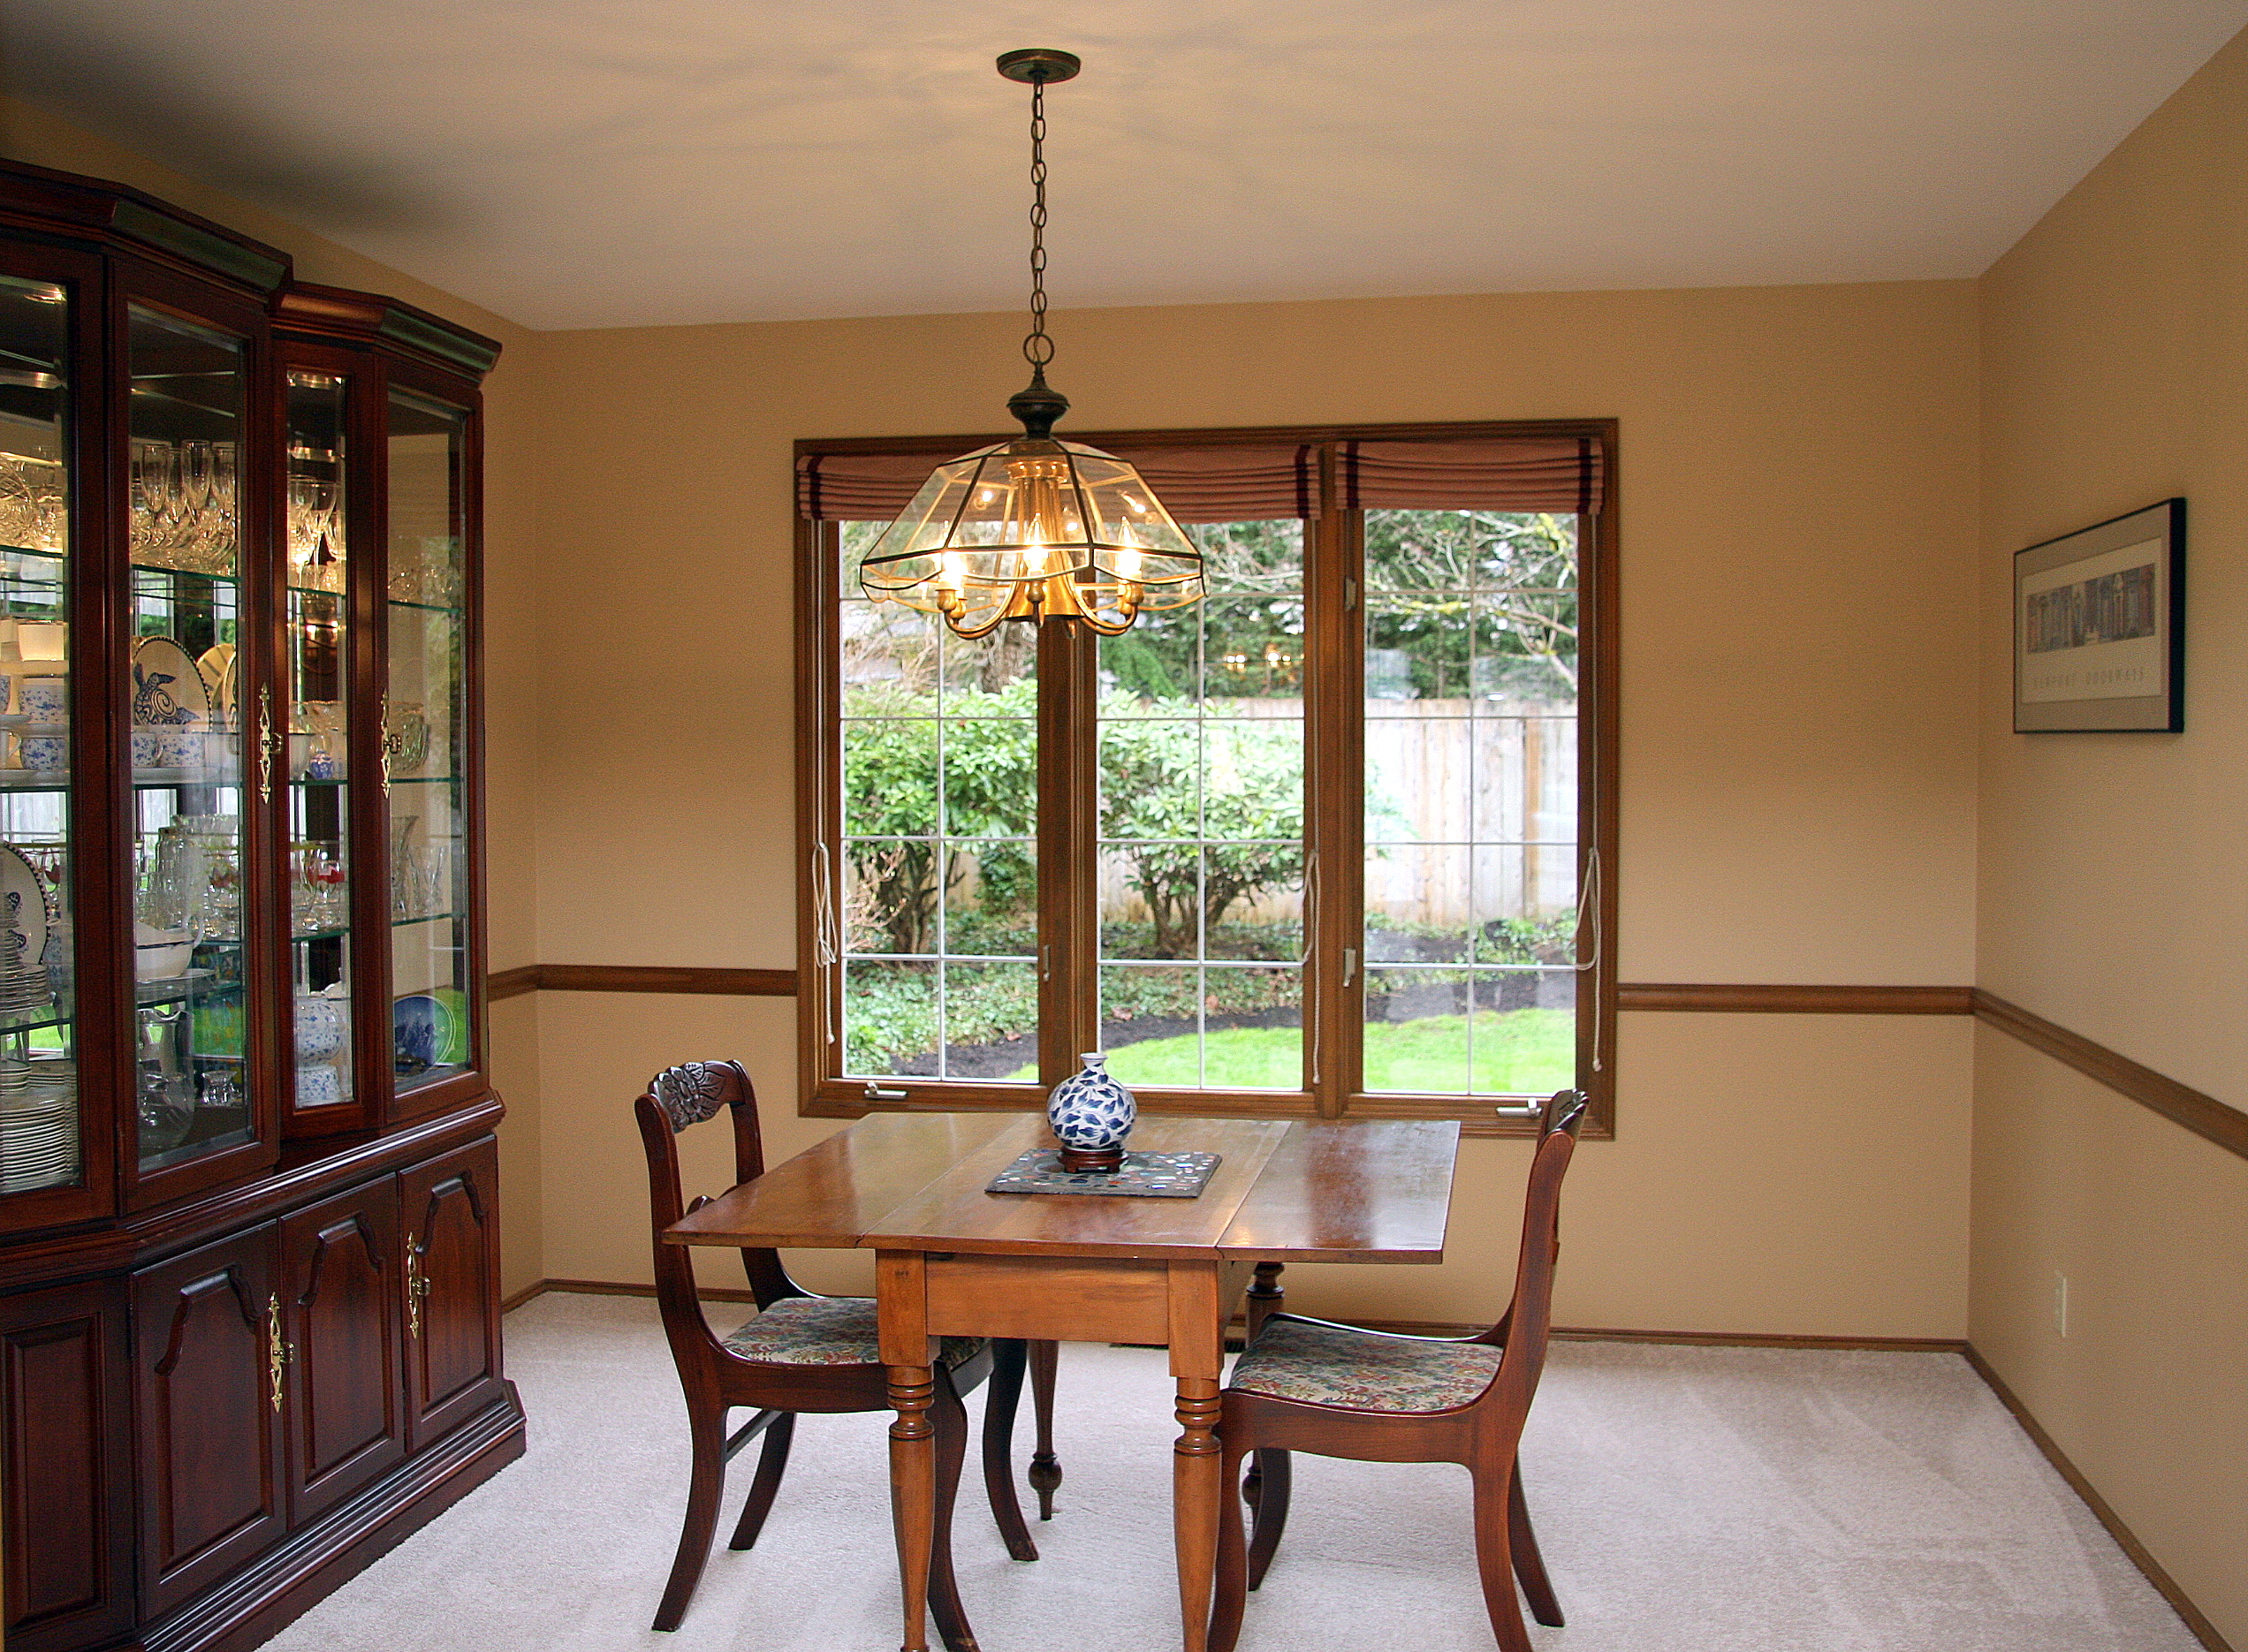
<point x="1092" y="1114"/>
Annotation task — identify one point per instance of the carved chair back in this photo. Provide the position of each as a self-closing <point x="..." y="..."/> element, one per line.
<point x="1521" y="1331"/>
<point x="677" y="1099"/>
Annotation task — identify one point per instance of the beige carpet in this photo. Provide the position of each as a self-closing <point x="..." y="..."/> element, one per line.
<point x="1689" y="1500"/>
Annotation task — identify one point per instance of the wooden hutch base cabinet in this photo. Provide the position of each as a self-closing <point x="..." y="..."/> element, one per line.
<point x="249" y="1306"/>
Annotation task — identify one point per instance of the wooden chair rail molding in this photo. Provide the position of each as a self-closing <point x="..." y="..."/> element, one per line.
<point x="2204" y="1115"/>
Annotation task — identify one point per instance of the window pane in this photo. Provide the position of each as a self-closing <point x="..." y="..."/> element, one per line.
<point x="426" y="733"/>
<point x="991" y="898"/>
<point x="1419" y="904"/>
<point x="1202" y="831"/>
<point x="191" y="1077"/>
<point x="890" y="1016"/>
<point x="940" y="756"/>
<point x="40" y="1127"/>
<point x="1471" y="797"/>
<point x="317" y="663"/>
<point x="890" y="901"/>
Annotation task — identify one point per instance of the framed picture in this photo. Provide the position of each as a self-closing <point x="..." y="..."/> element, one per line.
<point x="2099" y="627"/>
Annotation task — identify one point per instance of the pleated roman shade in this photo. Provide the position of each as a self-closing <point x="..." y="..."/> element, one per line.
<point x="1262" y="481"/>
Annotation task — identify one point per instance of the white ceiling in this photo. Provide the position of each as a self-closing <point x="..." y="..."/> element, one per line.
<point x="616" y="162"/>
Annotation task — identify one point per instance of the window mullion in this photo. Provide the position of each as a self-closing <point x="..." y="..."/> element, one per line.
<point x="1334" y="784"/>
<point x="1068" y="859"/>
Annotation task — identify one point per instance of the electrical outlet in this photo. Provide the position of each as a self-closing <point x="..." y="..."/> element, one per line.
<point x="2061" y="1304"/>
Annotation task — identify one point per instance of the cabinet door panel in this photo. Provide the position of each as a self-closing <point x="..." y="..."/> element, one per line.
<point x="205" y="1330"/>
<point x="452" y="1289"/>
<point x="340" y="1297"/>
<point x="65" y="1394"/>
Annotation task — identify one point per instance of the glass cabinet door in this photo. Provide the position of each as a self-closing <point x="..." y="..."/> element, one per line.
<point x="39" y="1142"/>
<point x="316" y="660"/>
<point x="425" y="744"/>
<point x="186" y="426"/>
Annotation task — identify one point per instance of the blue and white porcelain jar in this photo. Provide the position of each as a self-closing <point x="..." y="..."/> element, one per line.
<point x="322" y="1029"/>
<point x="1092" y="1114"/>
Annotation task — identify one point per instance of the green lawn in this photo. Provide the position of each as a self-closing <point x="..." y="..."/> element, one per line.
<point x="1517" y="1052"/>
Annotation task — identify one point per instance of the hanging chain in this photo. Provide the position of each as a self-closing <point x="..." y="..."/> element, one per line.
<point x="1038" y="349"/>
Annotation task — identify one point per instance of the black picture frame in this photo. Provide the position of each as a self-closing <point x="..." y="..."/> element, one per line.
<point x="2100" y="627"/>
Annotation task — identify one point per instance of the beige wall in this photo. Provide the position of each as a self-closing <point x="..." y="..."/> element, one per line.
<point x="1800" y="791"/>
<point x="34" y="135"/>
<point x="1797" y="472"/>
<point x="2114" y="869"/>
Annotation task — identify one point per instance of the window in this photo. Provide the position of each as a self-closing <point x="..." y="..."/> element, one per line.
<point x="1333" y="841"/>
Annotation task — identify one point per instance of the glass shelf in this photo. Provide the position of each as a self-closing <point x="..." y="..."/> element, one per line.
<point x="426" y="607"/>
<point x="435" y="917"/>
<point x="170" y="989"/>
<point x="227" y="579"/>
<point x="302" y="935"/>
<point x="424" y="780"/>
<point x="143" y="779"/>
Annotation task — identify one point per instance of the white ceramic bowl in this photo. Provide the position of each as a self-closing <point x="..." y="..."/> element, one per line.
<point x="160" y="954"/>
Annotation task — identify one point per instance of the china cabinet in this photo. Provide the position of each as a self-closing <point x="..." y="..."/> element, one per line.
<point x="248" y="1243"/>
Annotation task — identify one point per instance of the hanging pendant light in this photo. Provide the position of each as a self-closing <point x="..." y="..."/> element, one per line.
<point x="1034" y="528"/>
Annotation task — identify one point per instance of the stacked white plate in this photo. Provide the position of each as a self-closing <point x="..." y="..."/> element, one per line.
<point x="38" y="1141"/>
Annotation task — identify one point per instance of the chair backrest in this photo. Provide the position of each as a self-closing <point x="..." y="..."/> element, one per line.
<point x="675" y="1099"/>
<point x="1528" y="1316"/>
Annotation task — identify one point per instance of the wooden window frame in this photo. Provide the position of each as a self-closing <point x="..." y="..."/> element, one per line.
<point x="1068" y="917"/>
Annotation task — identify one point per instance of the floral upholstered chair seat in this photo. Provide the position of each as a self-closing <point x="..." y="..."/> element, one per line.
<point x="1334" y="1364"/>
<point x="827" y="1330"/>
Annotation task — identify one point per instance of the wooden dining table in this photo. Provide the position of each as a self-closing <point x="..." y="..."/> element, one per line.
<point x="953" y="1259"/>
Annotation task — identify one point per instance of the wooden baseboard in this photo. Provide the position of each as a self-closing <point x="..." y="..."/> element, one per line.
<point x="612" y="1287"/>
<point x="1754" y="1339"/>
<point x="2166" y="1585"/>
<point x="1407" y="1327"/>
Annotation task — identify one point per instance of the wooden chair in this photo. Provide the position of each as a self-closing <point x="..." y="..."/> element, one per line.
<point x="1310" y="1385"/>
<point x="809" y="1354"/>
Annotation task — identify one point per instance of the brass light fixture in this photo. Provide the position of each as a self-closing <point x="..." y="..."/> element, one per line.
<point x="1034" y="528"/>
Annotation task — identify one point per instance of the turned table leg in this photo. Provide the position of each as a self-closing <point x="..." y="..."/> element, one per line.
<point x="1197" y="1491"/>
<point x="1265" y="1296"/>
<point x="1197" y="1472"/>
<point x="913" y="1493"/>
<point x="901" y="1294"/>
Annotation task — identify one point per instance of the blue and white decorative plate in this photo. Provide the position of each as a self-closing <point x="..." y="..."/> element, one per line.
<point x="421" y="1033"/>
<point x="168" y="689"/>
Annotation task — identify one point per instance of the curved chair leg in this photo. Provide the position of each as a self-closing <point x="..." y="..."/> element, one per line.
<point x="1272" y="1473"/>
<point x="1045" y="1471"/>
<point x="1529" y="1566"/>
<point x="1494" y="1552"/>
<point x="1231" y="1593"/>
<point x="772" y="1462"/>
<point x="1000" y="1399"/>
<point x="707" y="1430"/>
<point x="950" y="1420"/>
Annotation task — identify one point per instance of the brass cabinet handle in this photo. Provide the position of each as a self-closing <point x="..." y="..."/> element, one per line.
<point x="383" y="745"/>
<point x="277" y="1353"/>
<point x="417" y="1290"/>
<point x="265" y="743"/>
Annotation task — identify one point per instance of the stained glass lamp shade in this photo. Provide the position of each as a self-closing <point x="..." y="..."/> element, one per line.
<point x="1034" y="528"/>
